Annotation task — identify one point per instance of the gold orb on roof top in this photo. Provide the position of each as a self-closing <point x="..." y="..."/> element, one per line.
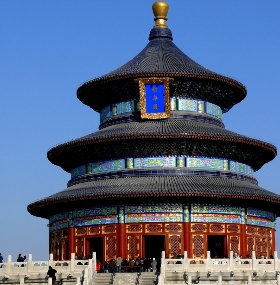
<point x="160" y="10"/>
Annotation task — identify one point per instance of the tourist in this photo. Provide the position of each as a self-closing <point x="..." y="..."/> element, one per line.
<point x="106" y="266"/>
<point x="51" y="272"/>
<point x="112" y="266"/>
<point x="98" y="266"/>
<point x="21" y="259"/>
<point x="118" y="264"/>
<point x="147" y="264"/>
<point x="1" y="258"/>
<point x="154" y="265"/>
<point x="124" y="265"/>
<point x="131" y="265"/>
<point x="262" y="259"/>
<point x="137" y="264"/>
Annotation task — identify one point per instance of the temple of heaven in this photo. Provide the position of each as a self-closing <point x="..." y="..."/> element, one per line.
<point x="162" y="173"/>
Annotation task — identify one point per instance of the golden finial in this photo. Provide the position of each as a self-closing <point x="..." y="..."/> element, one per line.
<point x="160" y="10"/>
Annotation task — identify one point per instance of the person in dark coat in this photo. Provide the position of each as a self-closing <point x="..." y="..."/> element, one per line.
<point x="51" y="272"/>
<point x="21" y="259"/>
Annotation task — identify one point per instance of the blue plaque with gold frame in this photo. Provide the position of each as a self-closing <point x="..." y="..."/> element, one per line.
<point x="154" y="97"/>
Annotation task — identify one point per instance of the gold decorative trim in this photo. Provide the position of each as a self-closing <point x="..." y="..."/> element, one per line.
<point x="154" y="80"/>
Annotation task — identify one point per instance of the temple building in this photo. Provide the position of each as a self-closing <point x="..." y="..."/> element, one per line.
<point x="162" y="173"/>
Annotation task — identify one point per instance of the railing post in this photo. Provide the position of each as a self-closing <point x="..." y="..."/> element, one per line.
<point x="78" y="280"/>
<point x="21" y="280"/>
<point x="85" y="277"/>
<point x="90" y="269"/>
<point x="185" y="261"/>
<point x="162" y="265"/>
<point x="9" y="265"/>
<point x="231" y="264"/>
<point x="94" y="263"/>
<point x="254" y="261"/>
<point x="208" y="261"/>
<point x="249" y="279"/>
<point x="276" y="265"/>
<point x="220" y="279"/>
<point x="72" y="263"/>
<point x="51" y="259"/>
<point x="49" y="281"/>
<point x="29" y="263"/>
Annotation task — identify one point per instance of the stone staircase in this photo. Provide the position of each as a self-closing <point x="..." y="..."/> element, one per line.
<point x="148" y="278"/>
<point x="102" y="279"/>
<point x="143" y="278"/>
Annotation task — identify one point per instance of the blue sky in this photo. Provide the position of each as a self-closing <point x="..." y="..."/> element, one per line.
<point x="49" y="48"/>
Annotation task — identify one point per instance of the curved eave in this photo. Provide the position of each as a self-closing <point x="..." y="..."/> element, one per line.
<point x="88" y="93"/>
<point x="57" y="152"/>
<point x="133" y="190"/>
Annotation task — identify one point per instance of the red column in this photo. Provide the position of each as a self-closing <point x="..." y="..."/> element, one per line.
<point x="273" y="245"/>
<point x="71" y="241"/>
<point x="243" y="241"/>
<point x="121" y="240"/>
<point x="187" y="237"/>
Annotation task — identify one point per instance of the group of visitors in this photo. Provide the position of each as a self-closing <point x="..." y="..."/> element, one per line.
<point x="128" y="265"/>
<point x="262" y="258"/>
<point x="19" y="259"/>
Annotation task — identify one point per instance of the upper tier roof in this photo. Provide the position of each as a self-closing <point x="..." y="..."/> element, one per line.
<point x="162" y="58"/>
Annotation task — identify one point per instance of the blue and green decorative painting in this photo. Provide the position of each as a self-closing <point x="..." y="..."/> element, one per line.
<point x="155" y="103"/>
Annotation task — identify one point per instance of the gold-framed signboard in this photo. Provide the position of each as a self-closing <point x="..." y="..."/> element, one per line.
<point x="154" y="97"/>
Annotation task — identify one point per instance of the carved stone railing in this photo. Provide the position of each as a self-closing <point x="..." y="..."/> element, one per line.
<point x="249" y="269"/>
<point x="66" y="270"/>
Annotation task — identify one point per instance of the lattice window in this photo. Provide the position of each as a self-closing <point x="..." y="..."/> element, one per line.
<point x="264" y="246"/>
<point x="81" y="231"/>
<point x="234" y="244"/>
<point x="216" y="228"/>
<point x="261" y="231"/>
<point x="65" y="233"/>
<point x="79" y="248"/>
<point x="233" y="228"/>
<point x="173" y="227"/>
<point x="258" y="247"/>
<point x="250" y="245"/>
<point x="198" y="245"/>
<point x="134" y="228"/>
<point x="109" y="229"/>
<point x="64" y="250"/>
<point x="56" y="251"/>
<point x="133" y="246"/>
<point x="175" y="245"/>
<point x="269" y="246"/>
<point x="198" y="228"/>
<point x="154" y="228"/>
<point x="250" y="230"/>
<point x="111" y="247"/>
<point x="94" y="230"/>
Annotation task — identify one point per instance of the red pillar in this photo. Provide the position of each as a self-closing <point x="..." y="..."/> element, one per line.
<point x="273" y="244"/>
<point x="121" y="240"/>
<point x="187" y="238"/>
<point x="243" y="241"/>
<point x="71" y="242"/>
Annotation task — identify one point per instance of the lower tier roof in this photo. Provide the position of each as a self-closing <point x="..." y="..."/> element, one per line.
<point x="148" y="189"/>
